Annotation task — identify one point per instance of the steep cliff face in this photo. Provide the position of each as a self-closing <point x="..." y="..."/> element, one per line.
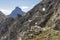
<point x="40" y="23"/>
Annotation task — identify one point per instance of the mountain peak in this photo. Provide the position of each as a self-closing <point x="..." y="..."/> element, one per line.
<point x="18" y="8"/>
<point x="16" y="11"/>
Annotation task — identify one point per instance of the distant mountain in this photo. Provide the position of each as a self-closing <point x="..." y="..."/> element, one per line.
<point x="16" y="11"/>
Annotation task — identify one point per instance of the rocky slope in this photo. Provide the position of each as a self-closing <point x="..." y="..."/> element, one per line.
<point x="40" y="23"/>
<point x="2" y="17"/>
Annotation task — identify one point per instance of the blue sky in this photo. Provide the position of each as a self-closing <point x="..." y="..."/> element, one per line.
<point x="6" y="6"/>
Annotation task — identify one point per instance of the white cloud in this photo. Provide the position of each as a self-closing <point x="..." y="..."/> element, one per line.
<point x="6" y="11"/>
<point x="24" y="8"/>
